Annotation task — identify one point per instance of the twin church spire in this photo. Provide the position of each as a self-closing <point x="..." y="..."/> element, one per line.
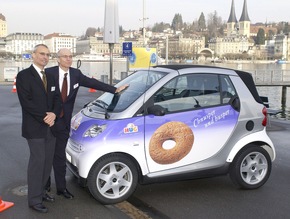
<point x="243" y="26"/>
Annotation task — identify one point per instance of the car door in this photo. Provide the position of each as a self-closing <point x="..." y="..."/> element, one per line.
<point x="198" y="121"/>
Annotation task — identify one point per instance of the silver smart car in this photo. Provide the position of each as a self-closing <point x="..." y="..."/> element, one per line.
<point x="173" y="122"/>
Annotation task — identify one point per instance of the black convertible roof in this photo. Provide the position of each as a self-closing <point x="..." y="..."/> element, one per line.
<point x="178" y="67"/>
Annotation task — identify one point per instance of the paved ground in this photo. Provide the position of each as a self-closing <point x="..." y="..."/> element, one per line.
<point x="14" y="155"/>
<point x="204" y="198"/>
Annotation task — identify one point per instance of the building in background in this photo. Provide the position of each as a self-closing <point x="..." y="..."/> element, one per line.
<point x="238" y="39"/>
<point x="242" y="27"/>
<point x="281" y="46"/>
<point x="230" y="45"/>
<point x="57" y="41"/>
<point x="20" y="44"/>
<point x="244" y="22"/>
<point x="232" y="24"/>
<point x="184" y="47"/>
<point x="236" y="42"/>
<point x="288" y="47"/>
<point x="96" y="46"/>
<point x="3" y="26"/>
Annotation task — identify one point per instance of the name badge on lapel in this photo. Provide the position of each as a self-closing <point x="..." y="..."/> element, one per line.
<point x="76" y="85"/>
<point x="52" y="89"/>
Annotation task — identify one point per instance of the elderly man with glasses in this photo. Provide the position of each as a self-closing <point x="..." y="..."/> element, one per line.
<point x="69" y="80"/>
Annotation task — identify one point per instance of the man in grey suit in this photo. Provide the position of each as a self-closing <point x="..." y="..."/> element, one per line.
<point x="73" y="78"/>
<point x="40" y="103"/>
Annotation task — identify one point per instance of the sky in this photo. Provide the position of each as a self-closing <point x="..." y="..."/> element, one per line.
<point x="74" y="16"/>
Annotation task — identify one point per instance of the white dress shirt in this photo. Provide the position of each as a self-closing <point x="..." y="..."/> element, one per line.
<point x="61" y="76"/>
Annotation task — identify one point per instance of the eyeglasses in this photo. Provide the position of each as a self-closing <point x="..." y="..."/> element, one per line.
<point x="66" y="57"/>
<point x="44" y="54"/>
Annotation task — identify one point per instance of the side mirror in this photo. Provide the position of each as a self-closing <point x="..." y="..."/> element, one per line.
<point x="235" y="103"/>
<point x="156" y="110"/>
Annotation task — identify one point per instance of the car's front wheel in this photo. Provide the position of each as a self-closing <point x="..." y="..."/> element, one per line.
<point x="112" y="179"/>
<point x="251" y="168"/>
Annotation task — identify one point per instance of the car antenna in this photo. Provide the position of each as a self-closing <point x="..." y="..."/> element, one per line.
<point x="147" y="82"/>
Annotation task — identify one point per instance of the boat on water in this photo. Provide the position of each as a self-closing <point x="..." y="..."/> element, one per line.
<point x="281" y="61"/>
<point x="216" y="60"/>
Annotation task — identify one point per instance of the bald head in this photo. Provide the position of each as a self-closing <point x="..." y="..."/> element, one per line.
<point x="64" y="59"/>
<point x="64" y="51"/>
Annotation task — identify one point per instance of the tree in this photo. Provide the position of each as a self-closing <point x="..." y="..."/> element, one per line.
<point x="121" y="30"/>
<point x="270" y="35"/>
<point x="260" y="40"/>
<point x="91" y="31"/>
<point x="286" y="28"/>
<point x="280" y="27"/>
<point x="201" y="23"/>
<point x="214" y="22"/>
<point x="193" y="26"/>
<point x="160" y="27"/>
<point x="188" y="28"/>
<point x="177" y="23"/>
<point x="222" y="28"/>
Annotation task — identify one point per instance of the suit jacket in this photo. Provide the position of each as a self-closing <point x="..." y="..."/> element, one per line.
<point x="35" y="102"/>
<point x="77" y="79"/>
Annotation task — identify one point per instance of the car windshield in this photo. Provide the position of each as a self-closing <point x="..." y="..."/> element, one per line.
<point x="139" y="82"/>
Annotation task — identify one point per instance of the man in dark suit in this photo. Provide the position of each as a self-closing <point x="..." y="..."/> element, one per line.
<point x="40" y="103"/>
<point x="74" y="79"/>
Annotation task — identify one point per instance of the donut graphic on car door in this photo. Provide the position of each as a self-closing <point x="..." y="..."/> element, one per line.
<point x="182" y="137"/>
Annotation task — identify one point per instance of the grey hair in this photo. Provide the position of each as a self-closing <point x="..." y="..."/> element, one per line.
<point x="59" y="51"/>
<point x="38" y="45"/>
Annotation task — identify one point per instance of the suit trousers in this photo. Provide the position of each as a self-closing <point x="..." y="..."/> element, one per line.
<point x="39" y="166"/>
<point x="61" y="132"/>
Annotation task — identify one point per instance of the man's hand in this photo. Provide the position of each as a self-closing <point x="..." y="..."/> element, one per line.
<point x="49" y="118"/>
<point x="119" y="89"/>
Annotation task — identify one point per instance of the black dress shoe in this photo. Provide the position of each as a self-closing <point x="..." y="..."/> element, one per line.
<point x="48" y="198"/>
<point x="40" y="208"/>
<point x="65" y="194"/>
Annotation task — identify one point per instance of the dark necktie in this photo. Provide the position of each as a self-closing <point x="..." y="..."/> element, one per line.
<point x="44" y="80"/>
<point x="64" y="88"/>
<point x="64" y="91"/>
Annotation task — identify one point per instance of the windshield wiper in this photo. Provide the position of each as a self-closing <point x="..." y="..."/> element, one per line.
<point x="102" y="102"/>
<point x="103" y="105"/>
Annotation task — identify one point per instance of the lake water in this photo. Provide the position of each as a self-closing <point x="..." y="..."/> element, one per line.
<point x="266" y="71"/>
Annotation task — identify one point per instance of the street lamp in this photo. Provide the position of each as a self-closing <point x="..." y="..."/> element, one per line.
<point x="143" y="19"/>
<point x="111" y="29"/>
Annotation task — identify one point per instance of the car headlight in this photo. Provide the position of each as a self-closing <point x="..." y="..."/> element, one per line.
<point x="94" y="130"/>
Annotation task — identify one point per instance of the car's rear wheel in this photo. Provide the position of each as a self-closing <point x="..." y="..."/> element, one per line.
<point x="113" y="179"/>
<point x="251" y="168"/>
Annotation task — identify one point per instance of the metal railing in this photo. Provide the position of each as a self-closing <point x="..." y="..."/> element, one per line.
<point x="267" y="77"/>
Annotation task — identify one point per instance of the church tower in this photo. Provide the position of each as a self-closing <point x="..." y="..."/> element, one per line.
<point x="232" y="24"/>
<point x="244" y="21"/>
<point x="3" y="26"/>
